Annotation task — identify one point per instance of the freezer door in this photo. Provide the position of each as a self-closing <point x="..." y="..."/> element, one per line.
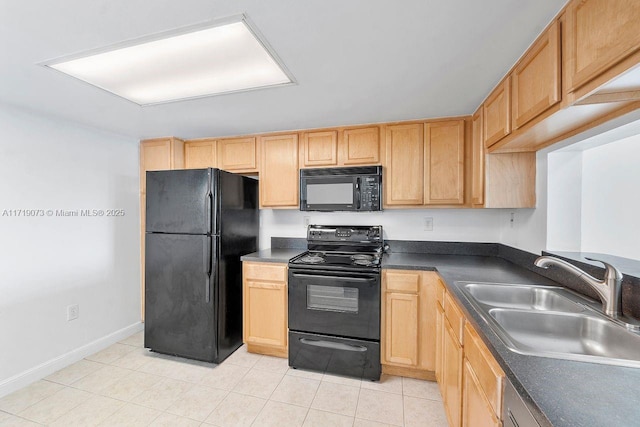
<point x="180" y="295"/>
<point x="180" y="201"/>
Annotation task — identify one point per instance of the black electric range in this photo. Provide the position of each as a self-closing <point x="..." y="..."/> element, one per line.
<point x="334" y="301"/>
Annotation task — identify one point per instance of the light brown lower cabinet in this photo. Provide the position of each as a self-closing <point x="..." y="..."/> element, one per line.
<point x="476" y="411"/>
<point x="439" y="338"/>
<point x="470" y="379"/>
<point x="408" y="323"/>
<point x="265" y="308"/>
<point x="451" y="375"/>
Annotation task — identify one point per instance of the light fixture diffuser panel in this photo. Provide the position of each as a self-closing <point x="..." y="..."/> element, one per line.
<point x="215" y="60"/>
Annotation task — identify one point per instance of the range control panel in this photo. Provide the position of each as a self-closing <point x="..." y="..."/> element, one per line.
<point x="344" y="233"/>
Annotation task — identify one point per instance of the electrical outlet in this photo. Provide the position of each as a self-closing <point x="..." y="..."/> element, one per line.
<point x="428" y="223"/>
<point x="305" y="221"/>
<point x="73" y="311"/>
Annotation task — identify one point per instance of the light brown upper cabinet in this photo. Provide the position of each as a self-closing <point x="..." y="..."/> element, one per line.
<point x="200" y="153"/>
<point x="444" y="162"/>
<point x="404" y="174"/>
<point x="279" y="180"/>
<point x="536" y="78"/>
<point x="238" y="154"/>
<point x="477" y="160"/>
<point x="340" y="147"/>
<point x="360" y="146"/>
<point x="160" y="154"/>
<point x="599" y="34"/>
<point x="497" y="113"/>
<point x="319" y="149"/>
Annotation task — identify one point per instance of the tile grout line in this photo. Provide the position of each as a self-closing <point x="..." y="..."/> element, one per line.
<point x="271" y="394"/>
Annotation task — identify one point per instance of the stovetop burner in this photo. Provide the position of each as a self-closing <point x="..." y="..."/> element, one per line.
<point x="337" y="259"/>
<point x="362" y="257"/>
<point x="312" y="259"/>
<point x="365" y="262"/>
<point x="342" y="248"/>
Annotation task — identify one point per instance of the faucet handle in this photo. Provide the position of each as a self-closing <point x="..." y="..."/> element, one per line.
<point x="611" y="272"/>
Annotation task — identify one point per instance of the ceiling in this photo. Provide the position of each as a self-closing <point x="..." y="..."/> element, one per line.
<point x="355" y="61"/>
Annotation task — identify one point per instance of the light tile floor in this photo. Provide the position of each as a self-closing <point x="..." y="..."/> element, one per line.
<point x="126" y="385"/>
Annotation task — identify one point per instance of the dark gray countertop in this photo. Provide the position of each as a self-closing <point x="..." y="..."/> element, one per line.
<point x="560" y="393"/>
<point x="272" y="255"/>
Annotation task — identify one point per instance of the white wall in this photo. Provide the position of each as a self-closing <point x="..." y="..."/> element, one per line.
<point x="611" y="198"/>
<point x="50" y="262"/>
<point x="588" y="200"/>
<point x="466" y="225"/>
<point x="564" y="193"/>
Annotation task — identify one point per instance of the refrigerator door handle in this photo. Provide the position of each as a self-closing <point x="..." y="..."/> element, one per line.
<point x="207" y="208"/>
<point x="206" y="262"/>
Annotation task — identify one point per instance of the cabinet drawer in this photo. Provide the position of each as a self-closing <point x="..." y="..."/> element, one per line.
<point x="265" y="271"/>
<point x="408" y="282"/>
<point x="488" y="373"/>
<point x="454" y="316"/>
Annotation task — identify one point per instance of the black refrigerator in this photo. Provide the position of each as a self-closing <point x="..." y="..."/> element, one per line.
<point x="199" y="222"/>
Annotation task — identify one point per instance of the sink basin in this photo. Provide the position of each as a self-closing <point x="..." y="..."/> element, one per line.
<point x="568" y="335"/>
<point x="522" y="297"/>
<point x="551" y="321"/>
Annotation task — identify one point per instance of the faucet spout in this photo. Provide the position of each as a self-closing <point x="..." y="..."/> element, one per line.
<point x="608" y="289"/>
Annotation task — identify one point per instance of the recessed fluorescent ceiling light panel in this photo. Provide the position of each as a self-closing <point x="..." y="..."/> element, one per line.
<point x="207" y="61"/>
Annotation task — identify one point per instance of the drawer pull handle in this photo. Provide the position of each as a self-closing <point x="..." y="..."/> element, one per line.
<point x="333" y="345"/>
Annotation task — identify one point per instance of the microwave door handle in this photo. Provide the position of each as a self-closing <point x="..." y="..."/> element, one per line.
<point x="358" y="193"/>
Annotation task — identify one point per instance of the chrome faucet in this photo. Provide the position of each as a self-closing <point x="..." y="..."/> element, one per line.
<point x="609" y="289"/>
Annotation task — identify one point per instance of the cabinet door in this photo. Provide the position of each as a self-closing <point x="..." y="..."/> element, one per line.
<point x="444" y="162"/>
<point x="279" y="179"/>
<point x="401" y="329"/>
<point x="477" y="160"/>
<point x="155" y="155"/>
<point x="600" y="33"/>
<point x="238" y="154"/>
<point x="404" y="175"/>
<point x="452" y="375"/>
<point x="536" y="79"/>
<point x="497" y="113"/>
<point x="439" y="346"/>
<point x="200" y="154"/>
<point x="320" y="148"/>
<point x="265" y="311"/>
<point x="476" y="410"/>
<point x="360" y="146"/>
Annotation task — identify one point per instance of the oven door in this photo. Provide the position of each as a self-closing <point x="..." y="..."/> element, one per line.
<point x="329" y="193"/>
<point x="344" y="304"/>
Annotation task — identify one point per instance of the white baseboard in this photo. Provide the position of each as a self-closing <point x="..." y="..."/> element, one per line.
<point x="47" y="368"/>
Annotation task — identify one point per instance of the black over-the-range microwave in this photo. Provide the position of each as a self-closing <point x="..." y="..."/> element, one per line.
<point x="341" y="189"/>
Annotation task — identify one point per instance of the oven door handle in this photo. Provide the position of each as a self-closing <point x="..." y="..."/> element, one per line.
<point x="325" y="276"/>
<point x="333" y="345"/>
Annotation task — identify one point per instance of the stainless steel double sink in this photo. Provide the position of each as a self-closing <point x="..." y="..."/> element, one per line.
<point x="552" y="322"/>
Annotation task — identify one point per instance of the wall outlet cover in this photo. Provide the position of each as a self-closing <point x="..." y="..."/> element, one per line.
<point x="73" y="311"/>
